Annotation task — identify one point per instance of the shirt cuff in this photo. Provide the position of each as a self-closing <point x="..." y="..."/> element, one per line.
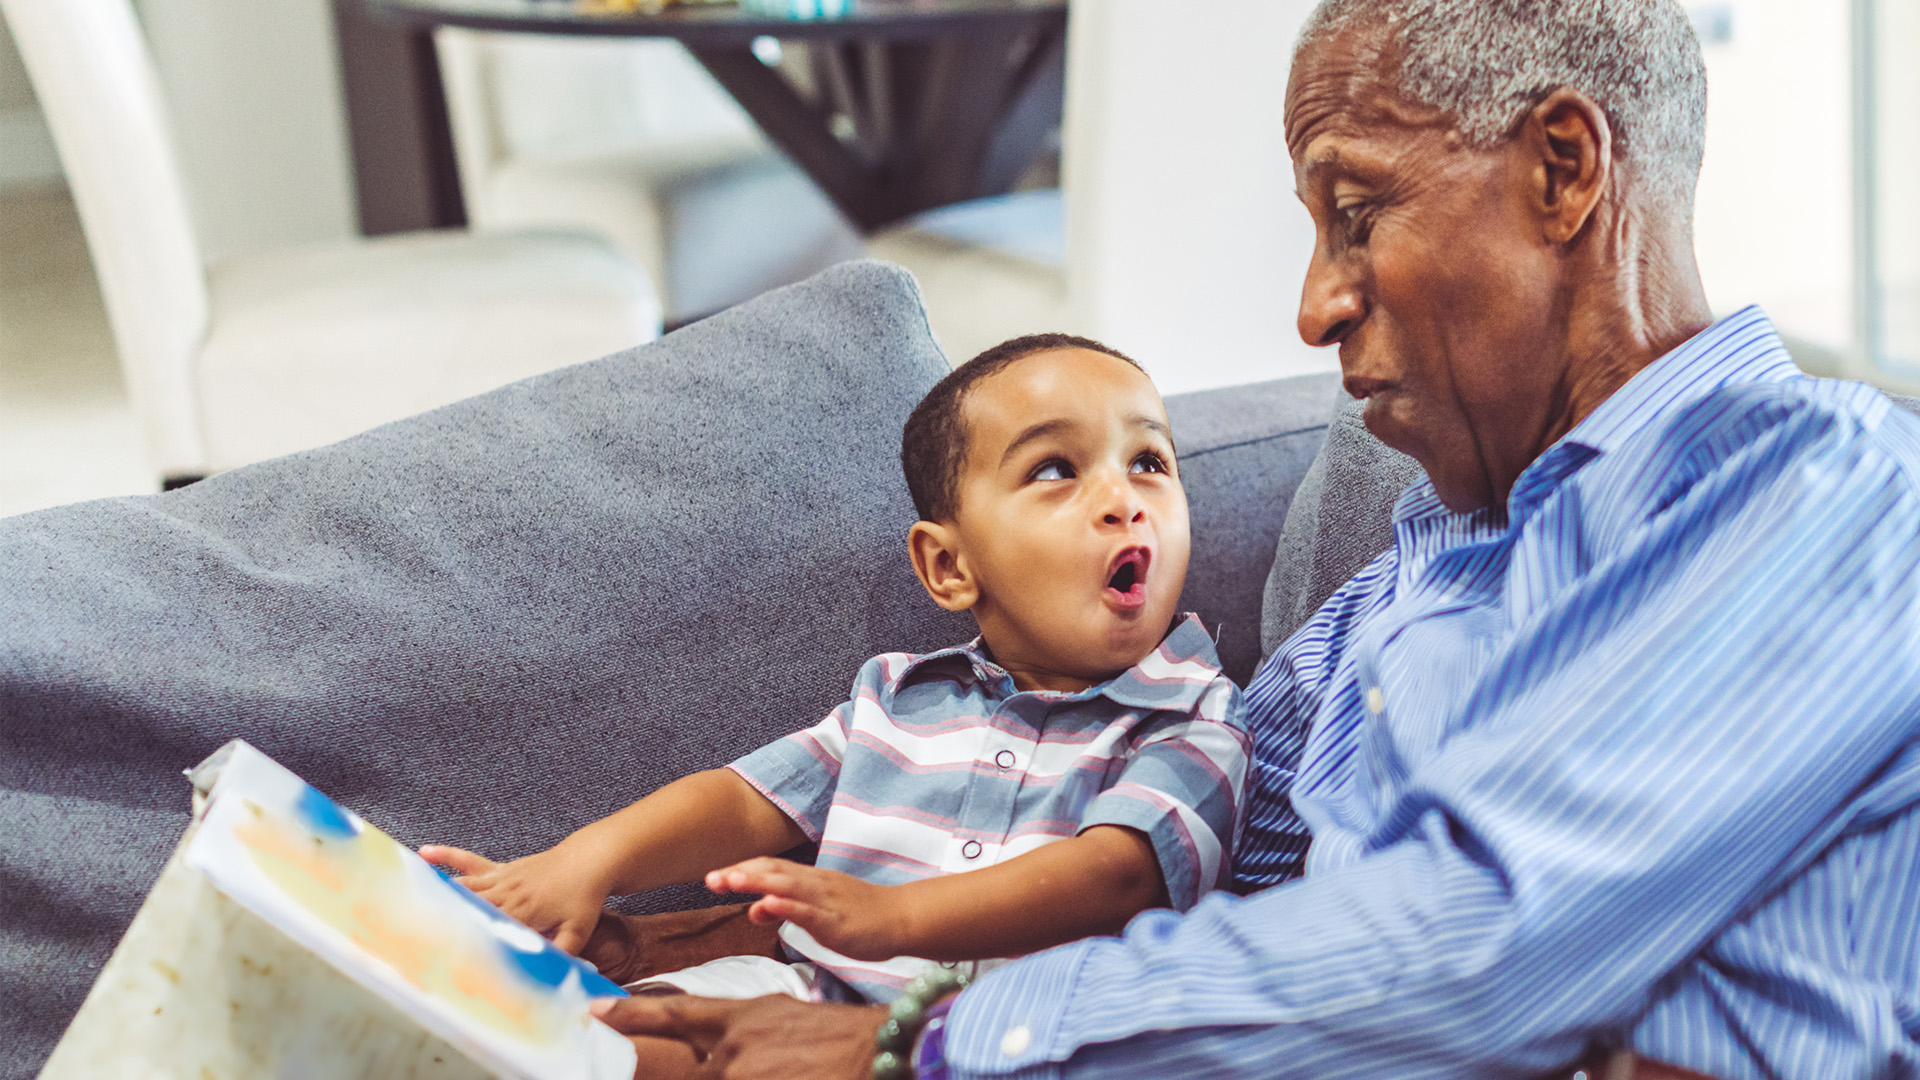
<point x="1008" y="1025"/>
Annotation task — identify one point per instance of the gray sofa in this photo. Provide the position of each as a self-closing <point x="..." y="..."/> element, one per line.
<point x="490" y="624"/>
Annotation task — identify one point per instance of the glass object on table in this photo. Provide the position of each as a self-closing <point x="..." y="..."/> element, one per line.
<point x="796" y="9"/>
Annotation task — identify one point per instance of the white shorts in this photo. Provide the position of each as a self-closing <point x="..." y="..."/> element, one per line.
<point x="735" y="977"/>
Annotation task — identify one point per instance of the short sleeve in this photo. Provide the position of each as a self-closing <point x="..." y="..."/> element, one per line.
<point x="1181" y="786"/>
<point x="798" y="774"/>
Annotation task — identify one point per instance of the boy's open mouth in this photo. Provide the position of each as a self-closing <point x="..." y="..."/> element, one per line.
<point x="1127" y="577"/>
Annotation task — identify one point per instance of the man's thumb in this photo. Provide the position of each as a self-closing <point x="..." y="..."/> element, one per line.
<point x="698" y="1022"/>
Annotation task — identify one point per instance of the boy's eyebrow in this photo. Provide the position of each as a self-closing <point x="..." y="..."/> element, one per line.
<point x="1155" y="425"/>
<point x="1037" y="431"/>
<point x="1047" y="427"/>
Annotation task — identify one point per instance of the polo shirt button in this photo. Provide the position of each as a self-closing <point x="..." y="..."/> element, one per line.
<point x="971" y="849"/>
<point x="1376" y="700"/>
<point x="1004" y="759"/>
<point x="1016" y="1041"/>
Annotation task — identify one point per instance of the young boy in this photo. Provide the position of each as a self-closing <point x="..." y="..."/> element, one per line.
<point x="1077" y="763"/>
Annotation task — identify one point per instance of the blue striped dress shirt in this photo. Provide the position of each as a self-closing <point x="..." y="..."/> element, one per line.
<point x="1633" y="764"/>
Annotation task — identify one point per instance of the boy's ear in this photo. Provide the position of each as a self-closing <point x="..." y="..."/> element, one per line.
<point x="935" y="550"/>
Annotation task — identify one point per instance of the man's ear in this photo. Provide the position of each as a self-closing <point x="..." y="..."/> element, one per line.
<point x="937" y="562"/>
<point x="1574" y="142"/>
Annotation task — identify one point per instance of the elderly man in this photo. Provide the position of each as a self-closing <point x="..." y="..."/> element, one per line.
<point x="1614" y="751"/>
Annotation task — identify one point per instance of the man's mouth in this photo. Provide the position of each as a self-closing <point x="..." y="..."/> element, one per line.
<point x="1127" y="577"/>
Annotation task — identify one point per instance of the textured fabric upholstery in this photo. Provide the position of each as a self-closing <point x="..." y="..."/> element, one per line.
<point x="1243" y="450"/>
<point x="491" y="623"/>
<point x="1341" y="518"/>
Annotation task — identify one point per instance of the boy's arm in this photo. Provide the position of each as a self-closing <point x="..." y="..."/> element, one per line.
<point x="1089" y="884"/>
<point x="674" y="835"/>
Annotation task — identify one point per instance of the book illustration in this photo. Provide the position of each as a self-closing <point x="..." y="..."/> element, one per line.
<point x="384" y="917"/>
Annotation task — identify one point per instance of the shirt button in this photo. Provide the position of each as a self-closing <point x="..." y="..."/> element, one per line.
<point x="1376" y="700"/>
<point x="1004" y="759"/>
<point x="971" y="849"/>
<point x="1016" y="1041"/>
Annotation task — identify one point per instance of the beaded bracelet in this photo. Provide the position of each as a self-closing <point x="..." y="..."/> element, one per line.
<point x="906" y="1017"/>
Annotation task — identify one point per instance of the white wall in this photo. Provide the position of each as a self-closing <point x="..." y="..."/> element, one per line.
<point x="1774" y="222"/>
<point x="1186" y="245"/>
<point x="254" y="90"/>
<point x="1898" y="39"/>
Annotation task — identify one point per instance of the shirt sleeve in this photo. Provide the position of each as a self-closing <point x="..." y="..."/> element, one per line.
<point x="1181" y="786"/>
<point x="1663" y="745"/>
<point x="799" y="773"/>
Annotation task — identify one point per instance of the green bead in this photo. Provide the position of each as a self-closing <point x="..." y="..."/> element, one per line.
<point x="893" y="1037"/>
<point x="908" y="1012"/>
<point x="891" y="1066"/>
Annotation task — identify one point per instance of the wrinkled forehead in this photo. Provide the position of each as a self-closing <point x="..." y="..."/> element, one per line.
<point x="1346" y="87"/>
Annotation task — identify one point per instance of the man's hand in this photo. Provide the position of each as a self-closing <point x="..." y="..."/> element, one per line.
<point x="555" y="894"/>
<point x="852" y="917"/>
<point x="769" y="1038"/>
<point x="628" y="948"/>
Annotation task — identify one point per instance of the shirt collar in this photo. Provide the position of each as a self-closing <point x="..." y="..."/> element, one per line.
<point x="1173" y="676"/>
<point x="1741" y="348"/>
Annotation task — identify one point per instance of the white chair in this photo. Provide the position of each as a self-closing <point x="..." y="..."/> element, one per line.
<point x="632" y="139"/>
<point x="1183" y="242"/>
<point x="263" y="355"/>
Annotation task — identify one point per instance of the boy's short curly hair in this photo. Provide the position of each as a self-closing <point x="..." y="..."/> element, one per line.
<point x="934" y="445"/>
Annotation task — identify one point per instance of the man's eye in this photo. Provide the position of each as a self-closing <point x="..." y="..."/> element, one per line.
<point x="1149" y="462"/>
<point x="1357" y="219"/>
<point x="1052" y="470"/>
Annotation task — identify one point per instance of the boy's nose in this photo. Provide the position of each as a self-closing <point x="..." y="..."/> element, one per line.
<point x="1121" y="504"/>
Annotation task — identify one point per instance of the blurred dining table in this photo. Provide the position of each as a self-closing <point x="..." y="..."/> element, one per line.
<point x="901" y="106"/>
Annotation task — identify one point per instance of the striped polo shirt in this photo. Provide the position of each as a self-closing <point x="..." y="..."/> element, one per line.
<point x="936" y="764"/>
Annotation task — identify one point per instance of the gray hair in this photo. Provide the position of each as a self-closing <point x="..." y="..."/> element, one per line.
<point x="1486" y="62"/>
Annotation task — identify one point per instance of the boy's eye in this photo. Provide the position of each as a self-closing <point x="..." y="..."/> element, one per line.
<point x="1149" y="462"/>
<point x="1052" y="470"/>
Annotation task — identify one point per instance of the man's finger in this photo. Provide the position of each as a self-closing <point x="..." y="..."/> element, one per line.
<point x="460" y="861"/>
<point x="699" y="1022"/>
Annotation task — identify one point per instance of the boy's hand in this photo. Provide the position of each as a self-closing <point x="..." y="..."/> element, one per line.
<point x="555" y="894"/>
<point x="852" y="917"/>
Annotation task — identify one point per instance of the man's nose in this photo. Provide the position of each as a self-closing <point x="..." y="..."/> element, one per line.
<point x="1331" y="304"/>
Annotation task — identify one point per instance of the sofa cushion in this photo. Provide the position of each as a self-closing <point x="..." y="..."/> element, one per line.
<point x="1339" y="520"/>
<point x="485" y="625"/>
<point x="1243" y="450"/>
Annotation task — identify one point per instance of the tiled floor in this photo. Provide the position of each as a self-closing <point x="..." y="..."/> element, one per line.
<point x="66" y="430"/>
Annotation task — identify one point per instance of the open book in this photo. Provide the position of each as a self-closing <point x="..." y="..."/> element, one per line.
<point x="428" y="967"/>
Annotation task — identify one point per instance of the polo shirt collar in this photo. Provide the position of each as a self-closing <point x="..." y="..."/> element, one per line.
<point x="1175" y="675"/>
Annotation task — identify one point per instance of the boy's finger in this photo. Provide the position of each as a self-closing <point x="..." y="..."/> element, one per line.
<point x="460" y="861"/>
<point x="780" y="908"/>
<point x="571" y="938"/>
<point x="754" y="875"/>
